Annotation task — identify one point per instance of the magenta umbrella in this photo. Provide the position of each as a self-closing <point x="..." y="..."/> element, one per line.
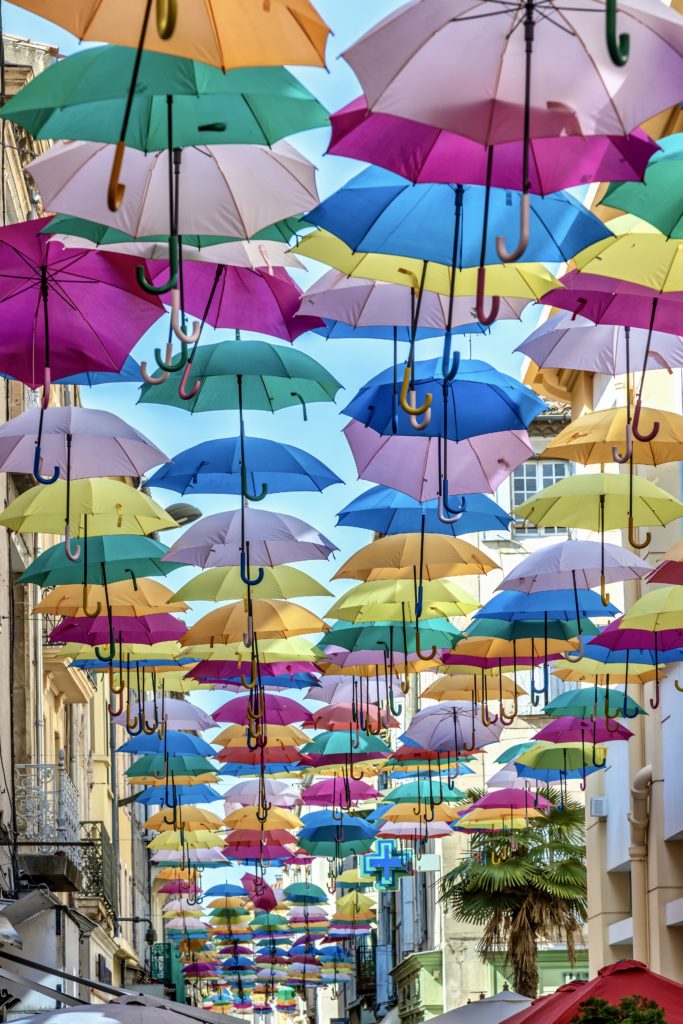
<point x="147" y="629"/>
<point x="239" y="297"/>
<point x="609" y="300"/>
<point x="275" y="710"/>
<point x="425" y="153"/>
<point x="223" y="672"/>
<point x="411" y="464"/>
<point x="582" y="730"/>
<point x="66" y="310"/>
<point x="336" y="792"/>
<point x="514" y="799"/>
<point x="617" y="639"/>
<point x="260" y="893"/>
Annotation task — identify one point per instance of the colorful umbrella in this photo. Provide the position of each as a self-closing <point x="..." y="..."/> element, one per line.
<point x="387" y="511"/>
<point x="653" y="198"/>
<point x="225" y="584"/>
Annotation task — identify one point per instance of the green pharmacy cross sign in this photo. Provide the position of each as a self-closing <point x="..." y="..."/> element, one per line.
<point x="386" y="864"/>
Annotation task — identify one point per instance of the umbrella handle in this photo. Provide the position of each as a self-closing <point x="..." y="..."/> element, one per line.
<point x="84" y="603"/>
<point x="482" y="316"/>
<point x="413" y="419"/>
<point x="604" y="596"/>
<point x="635" y="425"/>
<point x="443" y="517"/>
<point x="422" y="655"/>
<point x="633" y="538"/>
<point x="524" y="223"/>
<point x="109" y="655"/>
<point x="47" y="384"/>
<point x="618" y="47"/>
<point x="678" y="686"/>
<point x="167" y="364"/>
<point x="167" y="13"/>
<point x="72" y="554"/>
<point x="449" y="508"/>
<point x="177" y="326"/>
<point x="412" y="410"/>
<point x="295" y="394"/>
<point x="116" y="709"/>
<point x="245" y="492"/>
<point x="449" y="366"/>
<point x="147" y="377"/>
<point x="248" y="637"/>
<point x="121" y="688"/>
<point x="172" y="279"/>
<point x="36" y="470"/>
<point x="116" y="190"/>
<point x="133" y="577"/>
<point x="187" y="395"/>
<point x="577" y="655"/>
<point x="405" y="682"/>
<point x="243" y="572"/>
<point x="622" y="459"/>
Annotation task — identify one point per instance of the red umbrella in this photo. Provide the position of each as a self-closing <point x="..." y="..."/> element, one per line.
<point x="260" y="893"/>
<point x="626" y="978"/>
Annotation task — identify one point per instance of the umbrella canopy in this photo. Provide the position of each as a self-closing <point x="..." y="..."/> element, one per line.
<point x="591" y="702"/>
<point x="594" y="437"/>
<point x="658" y="609"/>
<point x="399" y="556"/>
<point x="236" y="190"/>
<point x="84" y="97"/>
<point x="215" y="467"/>
<point x="275" y="710"/>
<point x="229" y="623"/>
<point x="225" y="583"/>
<point x="127" y="597"/>
<point x="387" y="511"/>
<point x="124" y="557"/>
<point x="387" y="600"/>
<point x="670" y="568"/>
<point x="150" y="629"/>
<point x="552" y="605"/>
<point x="178" y="714"/>
<point x="333" y="792"/>
<point x="580" y="563"/>
<point x="450" y="725"/>
<point x="571" y="729"/>
<point x="652" y="198"/>
<point x="66" y="311"/>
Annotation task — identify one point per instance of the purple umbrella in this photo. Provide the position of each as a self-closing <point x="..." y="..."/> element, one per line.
<point x="66" y="310"/>
<point x="271" y="537"/>
<point x="411" y="464"/>
<point x="238" y="297"/>
<point x="221" y="672"/>
<point x="582" y="730"/>
<point x="617" y="639"/>
<point x="451" y="725"/>
<point x="147" y="629"/>
<point x="425" y="153"/>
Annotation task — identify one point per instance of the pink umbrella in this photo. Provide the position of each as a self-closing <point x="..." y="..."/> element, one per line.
<point x="333" y="689"/>
<point x="237" y="297"/>
<point x="513" y="799"/>
<point x="609" y="300"/>
<point x="411" y="464"/>
<point x="256" y="851"/>
<point x="333" y="792"/>
<point x="260" y="893"/>
<point x="309" y="914"/>
<point x="273" y="539"/>
<point x="219" y="672"/>
<point x="615" y="638"/>
<point x="179" y="886"/>
<point x="582" y="730"/>
<point x="247" y="793"/>
<point x="424" y="153"/>
<point x="65" y="311"/>
<point x="340" y="717"/>
<point x="417" y="831"/>
<point x="275" y="711"/>
<point x="147" y="629"/>
<point x="582" y="564"/>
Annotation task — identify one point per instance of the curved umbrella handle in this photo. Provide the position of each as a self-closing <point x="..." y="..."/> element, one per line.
<point x="147" y="377"/>
<point x="678" y="686"/>
<point x="187" y="395"/>
<point x="243" y="572"/>
<point x="248" y="637"/>
<point x="176" y="325"/>
<point x="633" y="538"/>
<point x="636" y="423"/>
<point x="413" y="419"/>
<point x="116" y="709"/>
<point x="116" y="191"/>
<point x="295" y="394"/>
<point x="577" y="655"/>
<point x="171" y="280"/>
<point x="443" y="517"/>
<point x="84" y="604"/>
<point x="422" y="655"/>
<point x="167" y="364"/>
<point x="245" y="492"/>
<point x="167" y="13"/>
<point x="482" y="316"/>
<point x="73" y="554"/>
<point x="133" y="578"/>
<point x="449" y="365"/>
<point x="524" y="223"/>
<point x="109" y="655"/>
<point x="622" y="459"/>
<point x="37" y="458"/>
<point x="618" y="46"/>
<point x="412" y="410"/>
<point x="47" y="385"/>
<point x="604" y="596"/>
<point x="405" y="682"/>
<point x="449" y="508"/>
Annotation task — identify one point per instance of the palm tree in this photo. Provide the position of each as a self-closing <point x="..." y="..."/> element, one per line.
<point x="523" y="888"/>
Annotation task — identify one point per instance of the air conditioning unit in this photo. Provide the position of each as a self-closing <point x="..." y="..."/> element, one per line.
<point x="598" y="807"/>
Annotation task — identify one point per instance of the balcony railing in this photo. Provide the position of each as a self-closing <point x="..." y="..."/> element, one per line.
<point x="98" y="864"/>
<point x="47" y="809"/>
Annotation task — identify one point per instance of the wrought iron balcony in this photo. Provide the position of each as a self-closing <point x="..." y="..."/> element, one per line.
<point x="365" y="969"/>
<point x="48" y="826"/>
<point x="98" y="866"/>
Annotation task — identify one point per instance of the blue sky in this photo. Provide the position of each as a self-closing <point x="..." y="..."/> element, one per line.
<point x="352" y="362"/>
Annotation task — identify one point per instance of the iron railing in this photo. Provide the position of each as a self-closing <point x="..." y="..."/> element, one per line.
<point x="47" y="809"/>
<point x="98" y="864"/>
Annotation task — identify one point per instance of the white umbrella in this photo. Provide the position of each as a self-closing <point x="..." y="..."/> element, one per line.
<point x="177" y="714"/>
<point x="224" y="190"/>
<point x="492" y="1010"/>
<point x="265" y="253"/>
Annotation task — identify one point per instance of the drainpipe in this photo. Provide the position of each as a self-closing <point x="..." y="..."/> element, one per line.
<point x="639" y="820"/>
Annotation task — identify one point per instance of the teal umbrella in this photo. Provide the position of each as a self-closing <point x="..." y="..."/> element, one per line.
<point x="423" y="791"/>
<point x="375" y="636"/>
<point x="303" y="893"/>
<point x="528" y="629"/>
<point x="84" y="97"/>
<point x="657" y="199"/>
<point x="125" y="556"/>
<point x="592" y="701"/>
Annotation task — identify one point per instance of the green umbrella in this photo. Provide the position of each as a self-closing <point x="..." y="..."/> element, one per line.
<point x="305" y="893"/>
<point x="338" y="742"/>
<point x="658" y="198"/>
<point x="583" y="703"/>
<point x="124" y="556"/>
<point x="175" y="764"/>
<point x="84" y="97"/>
<point x="513" y="752"/>
<point x="375" y="636"/>
<point x="101" y="234"/>
<point x="269" y="921"/>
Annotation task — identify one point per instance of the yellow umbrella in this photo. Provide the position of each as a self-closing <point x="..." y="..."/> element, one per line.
<point x="278" y="735"/>
<point x="508" y="650"/>
<point x="390" y="600"/>
<point x="594" y="438"/>
<point x="167" y="651"/>
<point x="206" y="778"/>
<point x="400" y="556"/>
<point x="224" y="583"/>
<point x="247" y="817"/>
<point x="589" y="670"/>
<point x="191" y="819"/>
<point x="656" y="610"/>
<point x="296" y="648"/>
<point x="361" y="769"/>
<point x="329" y="668"/>
<point x="175" y="840"/>
<point x="109" y="505"/>
<point x="125" y="599"/>
<point x="637" y="252"/>
<point x="464" y="686"/>
<point x="413" y="812"/>
<point x="490" y="820"/>
<point x="514" y="280"/>
<point x="225" y="33"/>
<point x="226" y="901"/>
<point x="270" y="619"/>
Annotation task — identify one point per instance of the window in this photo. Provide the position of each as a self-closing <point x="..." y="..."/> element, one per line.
<point x="527" y="481"/>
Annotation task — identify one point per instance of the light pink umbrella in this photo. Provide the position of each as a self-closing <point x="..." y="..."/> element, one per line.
<point x="363" y="303"/>
<point x="581" y="564"/>
<point x="507" y="778"/>
<point x="246" y="794"/>
<point x="333" y="689"/>
<point x="451" y="725"/>
<point x="346" y="659"/>
<point x="231" y="190"/>
<point x="177" y="714"/>
<point x="419" y="830"/>
<point x="273" y="539"/>
<point x="411" y="464"/>
<point x="251" y="254"/>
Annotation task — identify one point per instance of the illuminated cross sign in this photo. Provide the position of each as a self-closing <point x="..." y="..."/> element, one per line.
<point x="386" y="864"/>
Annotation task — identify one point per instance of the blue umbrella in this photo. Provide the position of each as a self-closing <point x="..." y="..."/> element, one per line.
<point x="225" y="889"/>
<point x="477" y="400"/>
<point x="635" y="655"/>
<point x="335" y="330"/>
<point x="378" y="211"/>
<point x="128" y="374"/>
<point x="297" y="681"/>
<point x="270" y="768"/>
<point x="215" y="467"/>
<point x="513" y="605"/>
<point x="93" y="665"/>
<point x="158" y="795"/>
<point x="174" y="742"/>
<point x="386" y="511"/>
